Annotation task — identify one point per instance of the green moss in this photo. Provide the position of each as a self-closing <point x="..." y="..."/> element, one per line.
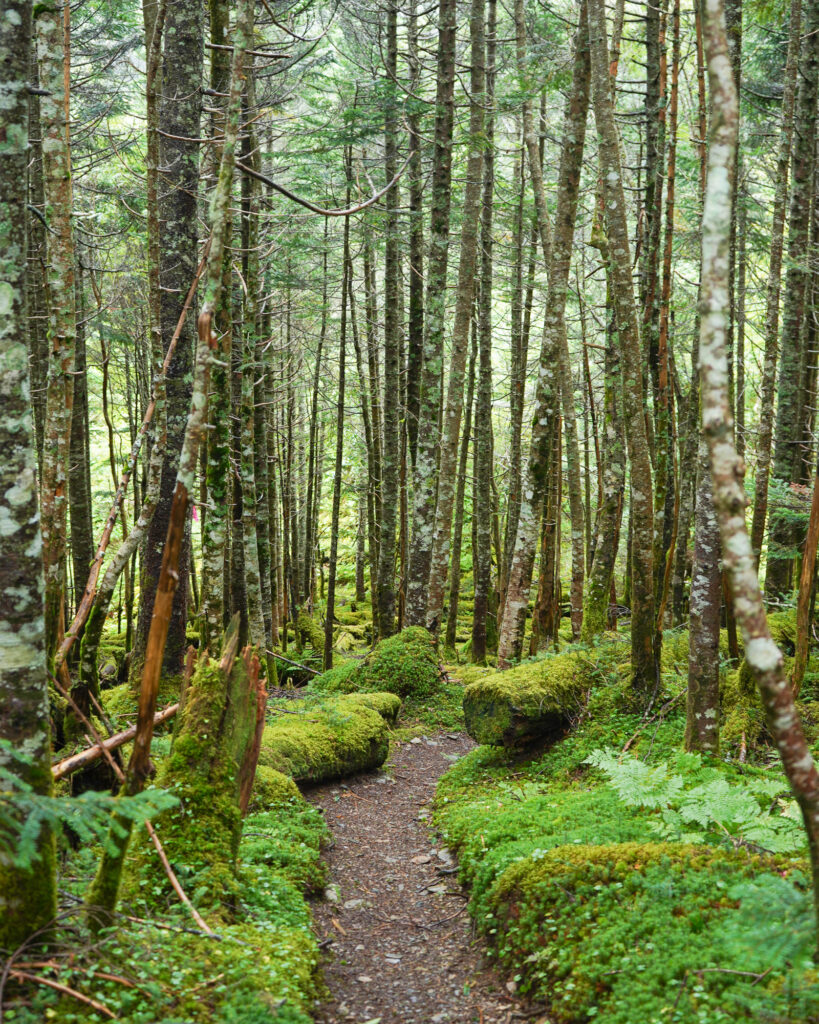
<point x="340" y="679"/>
<point x="783" y="630"/>
<point x="523" y="703"/>
<point x="386" y="704"/>
<point x="324" y="739"/>
<point x="120" y="702"/>
<point x="310" y="632"/>
<point x="405" y="664"/>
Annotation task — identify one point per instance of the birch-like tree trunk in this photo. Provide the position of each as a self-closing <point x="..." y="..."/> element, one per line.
<point x="763" y="657"/>
<point x="28" y="898"/>
<point x="62" y="328"/>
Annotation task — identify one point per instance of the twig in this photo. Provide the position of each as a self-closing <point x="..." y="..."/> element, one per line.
<point x="24" y="976"/>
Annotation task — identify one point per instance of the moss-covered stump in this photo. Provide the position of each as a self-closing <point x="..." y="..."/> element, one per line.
<point x="310" y="632"/>
<point x="210" y="768"/>
<point x="329" y="738"/>
<point x="527" y="703"/>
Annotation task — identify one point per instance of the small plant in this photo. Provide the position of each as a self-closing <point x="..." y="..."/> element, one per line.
<point x="25" y="814"/>
<point x="697" y="804"/>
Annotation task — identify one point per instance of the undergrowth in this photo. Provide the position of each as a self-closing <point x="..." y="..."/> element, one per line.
<point x="636" y="884"/>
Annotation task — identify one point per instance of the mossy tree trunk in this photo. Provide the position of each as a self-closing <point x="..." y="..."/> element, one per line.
<point x="28" y="897"/>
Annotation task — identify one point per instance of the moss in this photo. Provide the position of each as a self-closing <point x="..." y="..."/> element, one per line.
<point x="783" y="630"/>
<point x="340" y="679"/>
<point x="405" y="664"/>
<point x="310" y="632"/>
<point x="535" y="699"/>
<point x="284" y="831"/>
<point x="386" y="704"/>
<point x="324" y="739"/>
<point x="120" y="702"/>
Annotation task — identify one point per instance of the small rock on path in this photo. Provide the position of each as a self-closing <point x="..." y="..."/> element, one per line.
<point x="401" y="946"/>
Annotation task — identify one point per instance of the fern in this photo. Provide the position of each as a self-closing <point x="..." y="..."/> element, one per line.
<point x="26" y="814"/>
<point x="698" y="804"/>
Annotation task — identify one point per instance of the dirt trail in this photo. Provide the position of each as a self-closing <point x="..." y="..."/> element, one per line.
<point x="400" y="942"/>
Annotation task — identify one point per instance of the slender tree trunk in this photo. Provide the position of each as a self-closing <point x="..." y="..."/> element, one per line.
<point x="464" y="296"/>
<point x="763" y="657"/>
<point x="179" y="118"/>
<point x="57" y="190"/>
<point x="482" y="556"/>
<point x="554" y="350"/>
<point x="458" y="527"/>
<point x="339" y="462"/>
<point x="28" y="896"/>
<point x="392" y="327"/>
<point x="79" y="472"/>
<point x="643" y="660"/>
<point x="783" y="536"/>
<point x="415" y="321"/>
<point x="774" y="283"/>
<point x="428" y="441"/>
<point x="702" y="711"/>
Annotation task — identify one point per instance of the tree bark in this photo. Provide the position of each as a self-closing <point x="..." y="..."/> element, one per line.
<point x="28" y="897"/>
<point x="179" y="117"/>
<point x="62" y="329"/>
<point x="464" y="295"/>
<point x="643" y="660"/>
<point x="763" y="657"/>
<point x="782" y="535"/>
<point x="428" y="442"/>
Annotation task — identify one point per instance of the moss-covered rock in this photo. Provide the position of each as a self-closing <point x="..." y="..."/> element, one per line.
<point x="526" y="703"/>
<point x="310" y="632"/>
<point x="405" y="664"/>
<point x="325" y="739"/>
<point x="783" y="630"/>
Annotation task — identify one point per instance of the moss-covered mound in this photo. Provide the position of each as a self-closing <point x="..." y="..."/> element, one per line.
<point x="405" y="664"/>
<point x="591" y="907"/>
<point x="526" y="703"/>
<point x="327" y="738"/>
<point x="284" y="831"/>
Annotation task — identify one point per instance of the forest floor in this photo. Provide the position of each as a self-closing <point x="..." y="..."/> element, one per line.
<point x="401" y="945"/>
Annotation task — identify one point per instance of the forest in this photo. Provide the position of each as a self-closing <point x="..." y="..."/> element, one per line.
<point x="409" y="511"/>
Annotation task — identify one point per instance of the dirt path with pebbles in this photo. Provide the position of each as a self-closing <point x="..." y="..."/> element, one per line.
<point x="400" y="942"/>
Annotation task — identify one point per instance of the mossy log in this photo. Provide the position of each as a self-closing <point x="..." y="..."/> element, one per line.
<point x="339" y="736"/>
<point x="527" y="703"/>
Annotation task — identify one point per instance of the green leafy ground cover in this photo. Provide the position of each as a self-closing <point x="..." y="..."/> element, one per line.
<point x="645" y="886"/>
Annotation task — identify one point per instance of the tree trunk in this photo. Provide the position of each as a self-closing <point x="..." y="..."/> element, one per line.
<point x="428" y="442"/>
<point x="702" y="709"/>
<point x="464" y="296"/>
<point x="392" y="327"/>
<point x="774" y="284"/>
<point x="482" y="489"/>
<point x="79" y="472"/>
<point x="783" y="535"/>
<point x="554" y="350"/>
<point x="57" y="190"/>
<point x="643" y="660"/>
<point x="28" y="896"/>
<point x="763" y="657"/>
<point x="179" y="118"/>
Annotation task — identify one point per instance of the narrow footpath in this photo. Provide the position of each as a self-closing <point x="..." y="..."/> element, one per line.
<point x="400" y="942"/>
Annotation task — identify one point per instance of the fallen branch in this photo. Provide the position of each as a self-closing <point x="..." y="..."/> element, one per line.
<point x="295" y="664"/>
<point x="71" y="764"/>
<point x="24" y="976"/>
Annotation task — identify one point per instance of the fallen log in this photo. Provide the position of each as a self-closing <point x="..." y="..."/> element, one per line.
<point x="83" y="758"/>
